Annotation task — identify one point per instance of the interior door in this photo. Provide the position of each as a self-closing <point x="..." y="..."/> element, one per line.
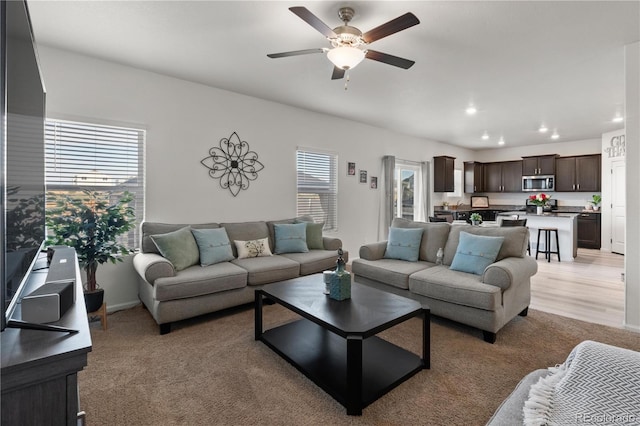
<point x="618" y="205"/>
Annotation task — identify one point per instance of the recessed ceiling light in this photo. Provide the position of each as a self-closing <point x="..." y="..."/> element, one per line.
<point x="485" y="136"/>
<point x="618" y="118"/>
<point x="555" y="135"/>
<point x="501" y="141"/>
<point x="543" y="128"/>
<point x="471" y="110"/>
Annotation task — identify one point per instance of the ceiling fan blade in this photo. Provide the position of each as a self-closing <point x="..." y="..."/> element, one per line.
<point x="400" y="23"/>
<point x="296" y="53"/>
<point x="311" y="19"/>
<point x="396" y="61"/>
<point x="338" y="73"/>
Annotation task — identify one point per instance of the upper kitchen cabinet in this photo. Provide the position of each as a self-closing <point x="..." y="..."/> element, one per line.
<point x="539" y="165"/>
<point x="578" y="174"/>
<point x="443" y="180"/>
<point x="504" y="176"/>
<point x="473" y="177"/>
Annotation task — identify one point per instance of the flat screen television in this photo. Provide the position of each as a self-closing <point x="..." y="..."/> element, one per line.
<point x="22" y="227"/>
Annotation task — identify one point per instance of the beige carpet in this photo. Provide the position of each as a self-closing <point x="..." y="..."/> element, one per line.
<point x="210" y="371"/>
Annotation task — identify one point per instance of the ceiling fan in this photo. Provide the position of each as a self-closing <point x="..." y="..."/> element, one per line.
<point x="349" y="44"/>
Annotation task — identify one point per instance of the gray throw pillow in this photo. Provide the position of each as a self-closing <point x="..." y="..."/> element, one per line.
<point x="178" y="247"/>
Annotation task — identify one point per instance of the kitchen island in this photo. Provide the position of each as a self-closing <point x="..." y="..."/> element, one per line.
<point x="566" y="223"/>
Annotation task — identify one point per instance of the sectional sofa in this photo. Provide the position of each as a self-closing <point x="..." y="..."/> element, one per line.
<point x="175" y="282"/>
<point x="467" y="286"/>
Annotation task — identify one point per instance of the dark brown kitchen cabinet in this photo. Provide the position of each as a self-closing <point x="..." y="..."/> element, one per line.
<point x="473" y="177"/>
<point x="443" y="167"/>
<point x="539" y="165"/>
<point x="578" y="174"/>
<point x="589" y="230"/>
<point x="504" y="176"/>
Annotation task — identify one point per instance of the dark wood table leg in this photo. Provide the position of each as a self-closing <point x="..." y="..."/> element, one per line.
<point x="426" y="338"/>
<point x="258" y="314"/>
<point x="354" y="375"/>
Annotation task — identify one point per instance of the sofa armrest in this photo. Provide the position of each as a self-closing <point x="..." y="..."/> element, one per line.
<point x="331" y="243"/>
<point x="510" y="270"/>
<point x="152" y="266"/>
<point x="373" y="251"/>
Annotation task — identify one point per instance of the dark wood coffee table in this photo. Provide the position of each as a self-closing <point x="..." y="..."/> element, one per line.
<point x="335" y="344"/>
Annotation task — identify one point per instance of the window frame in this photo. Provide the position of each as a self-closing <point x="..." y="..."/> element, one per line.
<point x="76" y="134"/>
<point x="330" y="217"/>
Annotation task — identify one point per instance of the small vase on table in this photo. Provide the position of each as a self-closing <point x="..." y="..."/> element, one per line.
<point x="539" y="210"/>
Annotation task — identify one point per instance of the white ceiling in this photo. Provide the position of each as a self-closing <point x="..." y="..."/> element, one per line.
<point x="521" y="63"/>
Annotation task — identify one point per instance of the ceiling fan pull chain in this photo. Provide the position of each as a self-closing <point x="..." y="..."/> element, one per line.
<point x="346" y="81"/>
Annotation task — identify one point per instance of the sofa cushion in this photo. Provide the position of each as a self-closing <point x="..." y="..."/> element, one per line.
<point x="197" y="281"/>
<point x="404" y="244"/>
<point x="389" y="271"/>
<point x="246" y="231"/>
<point x="514" y="245"/>
<point x="214" y="245"/>
<point x="179" y="247"/>
<point x="314" y="236"/>
<point x="434" y="236"/>
<point x="315" y="261"/>
<point x="263" y="270"/>
<point x="455" y="287"/>
<point x="290" y="238"/>
<point x="154" y="228"/>
<point x="253" y="248"/>
<point x="475" y="253"/>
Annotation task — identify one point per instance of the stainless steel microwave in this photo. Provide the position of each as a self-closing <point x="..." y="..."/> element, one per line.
<point x="538" y="183"/>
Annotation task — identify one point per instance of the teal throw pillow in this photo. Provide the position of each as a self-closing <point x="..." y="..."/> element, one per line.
<point x="314" y="236"/>
<point x="291" y="237"/>
<point x="404" y="244"/>
<point x="475" y="253"/>
<point x="214" y="245"/>
<point x="178" y="247"/>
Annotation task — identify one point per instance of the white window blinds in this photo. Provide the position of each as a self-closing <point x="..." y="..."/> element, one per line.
<point x="318" y="186"/>
<point x="82" y="156"/>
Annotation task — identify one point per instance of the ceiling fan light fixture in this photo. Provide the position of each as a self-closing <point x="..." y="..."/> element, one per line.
<point x="345" y="57"/>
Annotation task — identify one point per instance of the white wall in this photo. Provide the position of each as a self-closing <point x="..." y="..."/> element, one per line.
<point x="183" y="120"/>
<point x="632" y="237"/>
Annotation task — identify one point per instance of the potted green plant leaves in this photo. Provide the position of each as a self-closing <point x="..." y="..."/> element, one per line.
<point x="475" y="218"/>
<point x="596" y="200"/>
<point x="91" y="224"/>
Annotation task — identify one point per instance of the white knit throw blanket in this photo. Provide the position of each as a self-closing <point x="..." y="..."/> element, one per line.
<point x="597" y="384"/>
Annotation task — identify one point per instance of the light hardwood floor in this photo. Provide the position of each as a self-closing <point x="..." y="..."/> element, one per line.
<point x="590" y="288"/>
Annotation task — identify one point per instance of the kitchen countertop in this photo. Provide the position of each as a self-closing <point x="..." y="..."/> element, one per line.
<point x="545" y="215"/>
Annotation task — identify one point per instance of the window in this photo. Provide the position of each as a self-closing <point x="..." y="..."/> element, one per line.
<point x="317" y="188"/>
<point x="107" y="159"/>
<point x="409" y="193"/>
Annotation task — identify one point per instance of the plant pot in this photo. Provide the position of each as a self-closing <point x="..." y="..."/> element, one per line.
<point x="539" y="210"/>
<point x="596" y="208"/>
<point x="94" y="299"/>
<point x="475" y="222"/>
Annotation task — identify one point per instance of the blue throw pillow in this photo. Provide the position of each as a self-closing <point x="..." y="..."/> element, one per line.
<point x="214" y="245"/>
<point x="475" y="253"/>
<point x="404" y="244"/>
<point x="291" y="237"/>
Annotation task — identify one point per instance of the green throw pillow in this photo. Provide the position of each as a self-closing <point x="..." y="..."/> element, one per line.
<point x="475" y="253"/>
<point x="214" y="245"/>
<point x="179" y="247"/>
<point x="314" y="236"/>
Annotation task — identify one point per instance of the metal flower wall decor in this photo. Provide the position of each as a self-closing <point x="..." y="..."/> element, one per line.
<point x="233" y="163"/>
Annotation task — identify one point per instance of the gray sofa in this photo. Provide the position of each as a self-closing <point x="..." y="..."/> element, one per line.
<point x="487" y="301"/>
<point x="172" y="295"/>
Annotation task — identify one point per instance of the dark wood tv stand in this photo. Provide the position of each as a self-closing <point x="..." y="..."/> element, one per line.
<point x="39" y="368"/>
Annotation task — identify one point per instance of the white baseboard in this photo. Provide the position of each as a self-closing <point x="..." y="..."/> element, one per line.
<point x="634" y="328"/>
<point x="122" y="306"/>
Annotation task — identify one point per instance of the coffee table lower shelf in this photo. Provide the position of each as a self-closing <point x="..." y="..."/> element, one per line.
<point x="322" y="356"/>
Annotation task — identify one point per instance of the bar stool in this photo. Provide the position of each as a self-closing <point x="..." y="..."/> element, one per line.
<point x="547" y="243"/>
